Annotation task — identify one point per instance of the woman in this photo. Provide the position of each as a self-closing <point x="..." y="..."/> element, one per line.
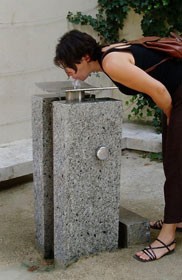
<point x="80" y="55"/>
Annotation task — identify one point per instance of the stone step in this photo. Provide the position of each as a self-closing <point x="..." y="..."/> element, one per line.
<point x="16" y="157"/>
<point x="141" y="137"/>
<point x="133" y="229"/>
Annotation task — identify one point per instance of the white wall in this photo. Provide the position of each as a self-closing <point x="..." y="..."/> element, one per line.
<point x="29" y="31"/>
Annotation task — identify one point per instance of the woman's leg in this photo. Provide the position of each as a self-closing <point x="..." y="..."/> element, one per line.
<point x="158" y="224"/>
<point x="173" y="163"/>
<point x="172" y="151"/>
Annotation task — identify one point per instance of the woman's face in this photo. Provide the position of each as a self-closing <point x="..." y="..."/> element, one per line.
<point x="83" y="70"/>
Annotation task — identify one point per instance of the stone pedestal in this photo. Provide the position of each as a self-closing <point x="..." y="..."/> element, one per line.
<point x="43" y="161"/>
<point x="76" y="157"/>
<point x="86" y="188"/>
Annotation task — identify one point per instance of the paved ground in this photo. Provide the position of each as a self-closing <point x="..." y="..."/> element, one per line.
<point x="141" y="192"/>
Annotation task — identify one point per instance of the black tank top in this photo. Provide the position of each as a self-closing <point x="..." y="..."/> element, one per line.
<point x="169" y="73"/>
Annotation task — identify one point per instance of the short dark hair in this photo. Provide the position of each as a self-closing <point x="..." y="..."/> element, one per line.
<point x="72" y="46"/>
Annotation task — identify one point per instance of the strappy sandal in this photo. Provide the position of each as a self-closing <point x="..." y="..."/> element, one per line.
<point x="149" y="251"/>
<point x="158" y="225"/>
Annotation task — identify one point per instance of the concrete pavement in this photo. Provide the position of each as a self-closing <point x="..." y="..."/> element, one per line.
<point x="141" y="192"/>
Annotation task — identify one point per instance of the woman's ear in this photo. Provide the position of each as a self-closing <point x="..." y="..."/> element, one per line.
<point x="87" y="58"/>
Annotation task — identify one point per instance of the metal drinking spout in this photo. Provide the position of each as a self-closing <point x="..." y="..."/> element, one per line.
<point x="79" y="94"/>
<point x="90" y="89"/>
<point x="72" y="96"/>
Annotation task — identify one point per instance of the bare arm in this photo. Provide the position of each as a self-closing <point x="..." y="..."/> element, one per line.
<point x="120" y="67"/>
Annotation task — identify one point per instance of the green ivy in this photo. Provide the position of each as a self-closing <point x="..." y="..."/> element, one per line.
<point x="108" y="21"/>
<point x="153" y="156"/>
<point x="158" y="18"/>
<point x="140" y="103"/>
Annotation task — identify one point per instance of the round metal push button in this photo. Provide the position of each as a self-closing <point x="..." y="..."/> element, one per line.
<point x="102" y="153"/>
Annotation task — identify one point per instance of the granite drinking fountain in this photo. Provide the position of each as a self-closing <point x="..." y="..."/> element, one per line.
<point x="76" y="167"/>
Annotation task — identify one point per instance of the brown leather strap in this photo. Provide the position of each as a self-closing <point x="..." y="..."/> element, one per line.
<point x="154" y="66"/>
